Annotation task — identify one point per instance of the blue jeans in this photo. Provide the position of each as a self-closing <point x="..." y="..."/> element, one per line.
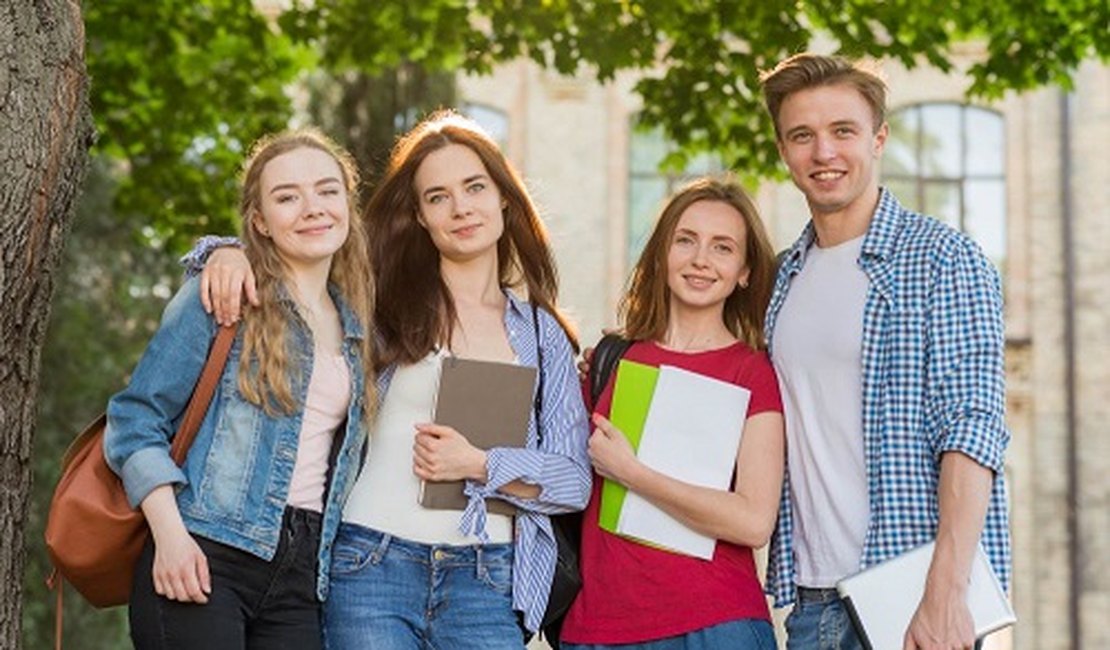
<point x="389" y="593"/>
<point x="745" y="634"/>
<point x="820" y="622"/>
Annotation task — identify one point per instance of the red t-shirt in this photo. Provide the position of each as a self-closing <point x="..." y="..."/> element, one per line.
<point x="633" y="593"/>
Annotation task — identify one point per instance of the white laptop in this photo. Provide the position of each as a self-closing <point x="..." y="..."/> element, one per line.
<point x="883" y="598"/>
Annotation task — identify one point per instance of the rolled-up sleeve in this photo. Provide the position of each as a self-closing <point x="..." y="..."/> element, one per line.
<point x="143" y="416"/>
<point x="966" y="364"/>
<point x="561" y="466"/>
<point x="194" y="261"/>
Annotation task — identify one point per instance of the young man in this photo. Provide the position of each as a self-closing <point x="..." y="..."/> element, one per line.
<point x="886" y="330"/>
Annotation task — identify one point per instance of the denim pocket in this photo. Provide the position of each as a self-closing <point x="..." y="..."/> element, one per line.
<point x="230" y="464"/>
<point x="350" y="554"/>
<point x="497" y="575"/>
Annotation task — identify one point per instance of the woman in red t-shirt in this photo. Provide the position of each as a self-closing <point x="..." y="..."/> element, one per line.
<point x="696" y="301"/>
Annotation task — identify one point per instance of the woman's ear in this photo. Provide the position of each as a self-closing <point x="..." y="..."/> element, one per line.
<point x="420" y="219"/>
<point x="742" y="281"/>
<point x="259" y="224"/>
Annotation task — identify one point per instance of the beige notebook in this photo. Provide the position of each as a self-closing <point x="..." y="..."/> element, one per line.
<point x="488" y="402"/>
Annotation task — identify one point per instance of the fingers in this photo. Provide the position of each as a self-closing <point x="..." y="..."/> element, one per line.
<point x="227" y="298"/>
<point x="435" y="430"/>
<point x="583" y="365"/>
<point x="422" y="469"/>
<point x="423" y="452"/>
<point x="605" y="426"/>
<point x="229" y="276"/>
<point x="423" y="446"/>
<point x="205" y="298"/>
<point x="204" y="577"/>
<point x="251" y="289"/>
<point x="185" y="579"/>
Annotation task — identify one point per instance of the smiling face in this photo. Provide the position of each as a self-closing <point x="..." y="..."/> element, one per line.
<point x="303" y="206"/>
<point x="460" y="205"/>
<point x="706" y="259"/>
<point x="832" y="149"/>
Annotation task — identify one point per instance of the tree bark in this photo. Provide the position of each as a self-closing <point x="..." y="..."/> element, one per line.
<point x="45" y="133"/>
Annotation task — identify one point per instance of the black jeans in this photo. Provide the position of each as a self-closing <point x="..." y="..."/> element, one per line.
<point x="254" y="604"/>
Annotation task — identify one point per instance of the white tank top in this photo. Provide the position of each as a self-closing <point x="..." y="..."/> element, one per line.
<point x="386" y="495"/>
<point x="817" y="354"/>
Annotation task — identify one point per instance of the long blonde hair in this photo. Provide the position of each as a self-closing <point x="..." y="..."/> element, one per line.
<point x="264" y="366"/>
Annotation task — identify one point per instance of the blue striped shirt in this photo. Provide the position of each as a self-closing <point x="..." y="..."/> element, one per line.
<point x="561" y="468"/>
<point x="933" y="381"/>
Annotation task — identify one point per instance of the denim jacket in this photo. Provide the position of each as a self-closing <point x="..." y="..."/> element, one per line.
<point x="235" y="481"/>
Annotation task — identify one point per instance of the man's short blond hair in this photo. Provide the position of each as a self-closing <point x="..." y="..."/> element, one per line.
<point x="807" y="70"/>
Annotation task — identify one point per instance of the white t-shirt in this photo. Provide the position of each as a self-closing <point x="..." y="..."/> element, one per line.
<point x="386" y="495"/>
<point x="818" y="356"/>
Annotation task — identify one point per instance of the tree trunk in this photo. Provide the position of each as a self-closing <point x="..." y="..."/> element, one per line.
<point x="45" y="132"/>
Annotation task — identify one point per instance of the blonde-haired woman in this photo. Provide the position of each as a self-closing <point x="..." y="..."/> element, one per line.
<point x="454" y="233"/>
<point x="241" y="533"/>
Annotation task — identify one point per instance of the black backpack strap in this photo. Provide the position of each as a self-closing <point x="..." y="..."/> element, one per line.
<point x="603" y="363"/>
<point x="537" y="403"/>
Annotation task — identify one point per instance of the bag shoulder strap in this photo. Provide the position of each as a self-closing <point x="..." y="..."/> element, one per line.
<point x="202" y="394"/>
<point x="537" y="403"/>
<point x="607" y="354"/>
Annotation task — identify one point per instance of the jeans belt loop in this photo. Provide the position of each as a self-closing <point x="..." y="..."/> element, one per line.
<point x="383" y="546"/>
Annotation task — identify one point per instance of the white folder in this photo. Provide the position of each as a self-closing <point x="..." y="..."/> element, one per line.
<point x="692" y="433"/>
<point x="883" y="598"/>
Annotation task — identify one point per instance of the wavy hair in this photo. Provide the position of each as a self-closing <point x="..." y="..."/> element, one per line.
<point x="415" y="312"/>
<point x="645" y="307"/>
<point x="265" y="367"/>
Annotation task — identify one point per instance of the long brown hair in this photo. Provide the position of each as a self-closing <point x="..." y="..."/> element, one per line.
<point x="645" y="307"/>
<point x="415" y="312"/>
<point x="264" y="367"/>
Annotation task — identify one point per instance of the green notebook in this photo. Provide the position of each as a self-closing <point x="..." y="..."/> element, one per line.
<point x="632" y="393"/>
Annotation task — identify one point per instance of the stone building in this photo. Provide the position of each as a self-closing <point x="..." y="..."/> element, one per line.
<point x="1027" y="176"/>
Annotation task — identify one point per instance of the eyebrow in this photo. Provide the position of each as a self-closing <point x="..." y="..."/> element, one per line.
<point x="466" y="181"/>
<point x="834" y="124"/>
<point x="687" y="231"/>
<point x="292" y="186"/>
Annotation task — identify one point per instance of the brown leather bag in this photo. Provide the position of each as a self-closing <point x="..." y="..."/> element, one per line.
<point x="93" y="535"/>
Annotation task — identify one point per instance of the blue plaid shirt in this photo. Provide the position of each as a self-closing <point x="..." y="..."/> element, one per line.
<point x="933" y="381"/>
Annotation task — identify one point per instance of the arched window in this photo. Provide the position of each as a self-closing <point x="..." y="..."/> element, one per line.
<point x="648" y="187"/>
<point x="948" y="160"/>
